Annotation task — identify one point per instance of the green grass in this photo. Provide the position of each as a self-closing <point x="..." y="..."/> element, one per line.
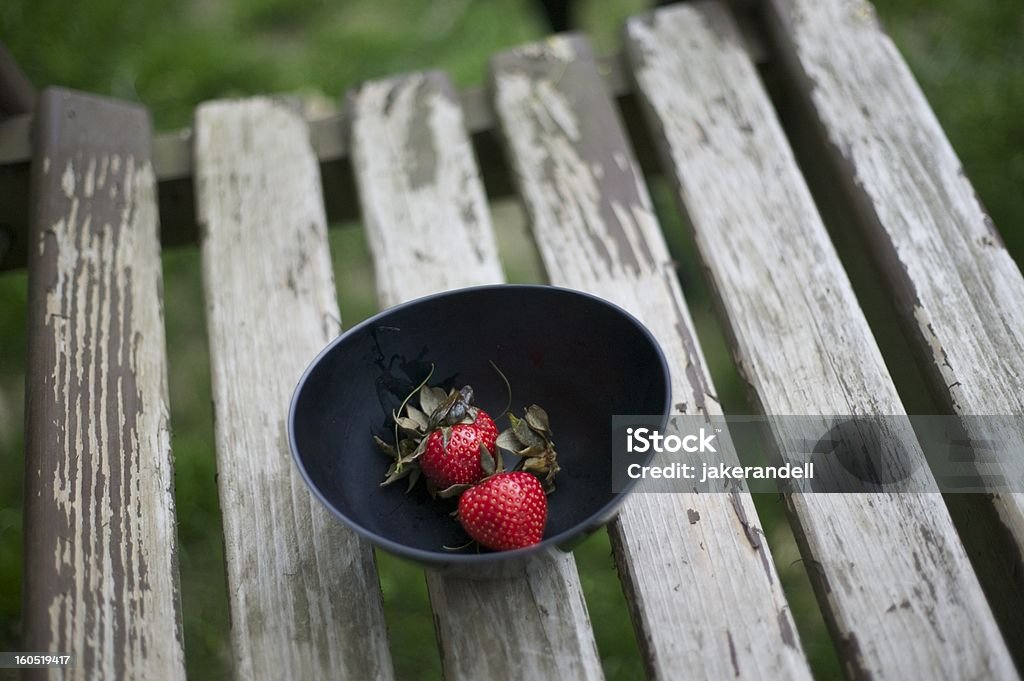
<point x="967" y="55"/>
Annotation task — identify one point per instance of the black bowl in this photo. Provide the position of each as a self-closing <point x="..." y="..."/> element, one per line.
<point x="578" y="356"/>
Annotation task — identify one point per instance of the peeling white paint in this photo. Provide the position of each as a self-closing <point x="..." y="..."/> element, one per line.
<point x="802" y="340"/>
<point x="90" y="179"/>
<point x="67" y="181"/>
<point x="85" y="312"/>
<point x="408" y="221"/>
<point x="968" y="293"/>
<point x="297" y="611"/>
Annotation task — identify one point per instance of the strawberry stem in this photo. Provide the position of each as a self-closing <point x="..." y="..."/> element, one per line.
<point x="415" y="390"/>
<point x="394" y="415"/>
<point x="508" y="389"/>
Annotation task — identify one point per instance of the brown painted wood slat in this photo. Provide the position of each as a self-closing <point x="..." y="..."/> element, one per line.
<point x="960" y="293"/>
<point x="419" y="187"/>
<point x="704" y="594"/>
<point x="890" y="572"/>
<point x="101" y="573"/>
<point x="303" y="590"/>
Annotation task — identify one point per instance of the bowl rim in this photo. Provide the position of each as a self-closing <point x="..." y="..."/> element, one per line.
<point x="435" y="557"/>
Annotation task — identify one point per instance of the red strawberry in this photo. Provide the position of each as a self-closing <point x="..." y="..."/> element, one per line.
<point x="459" y="462"/>
<point x="506" y="511"/>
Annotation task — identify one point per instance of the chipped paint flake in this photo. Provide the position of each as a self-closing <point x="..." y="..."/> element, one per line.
<point x="67" y="181"/>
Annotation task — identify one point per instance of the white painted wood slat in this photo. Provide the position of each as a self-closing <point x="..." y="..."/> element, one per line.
<point x="960" y="292"/>
<point x="101" y="579"/>
<point x="303" y="590"/>
<point x="890" y="572"/>
<point x="430" y="230"/>
<point x="704" y="593"/>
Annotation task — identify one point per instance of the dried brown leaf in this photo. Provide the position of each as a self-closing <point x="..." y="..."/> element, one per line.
<point x="538" y="419"/>
<point x="510" y="441"/>
<point x="487" y="462"/>
<point x="416" y="415"/>
<point x="431" y="399"/>
<point x="453" y="491"/>
<point x="385" y="448"/>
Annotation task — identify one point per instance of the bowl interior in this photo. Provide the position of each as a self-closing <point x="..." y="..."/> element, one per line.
<point x="580" y="358"/>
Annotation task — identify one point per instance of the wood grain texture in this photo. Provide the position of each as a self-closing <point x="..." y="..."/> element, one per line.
<point x="429" y="230"/>
<point x="423" y="203"/>
<point x="303" y="590"/>
<point x="894" y="580"/>
<point x="959" y="291"/>
<point x="101" y="572"/>
<point x="704" y="593"/>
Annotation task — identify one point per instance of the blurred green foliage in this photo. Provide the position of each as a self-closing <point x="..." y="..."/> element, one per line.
<point x="968" y="57"/>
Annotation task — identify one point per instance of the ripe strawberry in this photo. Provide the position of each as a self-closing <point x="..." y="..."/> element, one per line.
<point x="506" y="511"/>
<point x="459" y="462"/>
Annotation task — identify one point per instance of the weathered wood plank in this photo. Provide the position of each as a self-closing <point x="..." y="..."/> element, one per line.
<point x="889" y="570"/>
<point x="423" y="203"/>
<point x="960" y="293"/>
<point x="429" y="230"/>
<point x="304" y="596"/>
<point x="101" y="572"/>
<point x="704" y="596"/>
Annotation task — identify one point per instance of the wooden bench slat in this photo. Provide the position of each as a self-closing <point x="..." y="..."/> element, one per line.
<point x="596" y="230"/>
<point x="890" y="571"/>
<point x="960" y="293"/>
<point x="303" y="590"/>
<point x="423" y="203"/>
<point x="101" y="572"/>
<point x="429" y="229"/>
